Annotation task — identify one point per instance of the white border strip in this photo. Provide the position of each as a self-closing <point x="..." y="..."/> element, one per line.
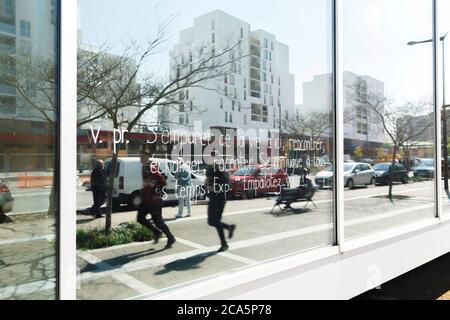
<point x="339" y="125"/>
<point x="68" y="142"/>
<point x="438" y="103"/>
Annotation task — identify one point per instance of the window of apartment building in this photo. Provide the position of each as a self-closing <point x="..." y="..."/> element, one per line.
<point x="181" y="108"/>
<point x="213" y="24"/>
<point x="221" y="103"/>
<point x="232" y="104"/>
<point x="245" y="119"/>
<point x="271" y="45"/>
<point x="245" y="83"/>
<point x="181" y="119"/>
<point x="8" y="7"/>
<point x="187" y="94"/>
<point x="232" y="80"/>
<point x="226" y="91"/>
<point x="264" y="76"/>
<point x="187" y="118"/>
<point x="266" y="54"/>
<point x="266" y="88"/>
<point x="213" y="38"/>
<point x="271" y="100"/>
<point x="25" y="28"/>
<point x="226" y="116"/>
<point x="239" y="69"/>
<point x="279" y="92"/>
<point x="231" y="117"/>
<point x="242" y="33"/>
<point x="235" y="93"/>
<point x="225" y="79"/>
<point x="270" y="55"/>
<point x="264" y="65"/>
<point x="191" y="106"/>
<point x="271" y="78"/>
<point x="361" y="128"/>
<point x="266" y="43"/>
<point x="239" y="106"/>
<point x="245" y="95"/>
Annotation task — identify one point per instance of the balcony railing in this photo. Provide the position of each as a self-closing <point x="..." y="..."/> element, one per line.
<point x="7" y="48"/>
<point x="7" y="28"/>
<point x="6" y="89"/>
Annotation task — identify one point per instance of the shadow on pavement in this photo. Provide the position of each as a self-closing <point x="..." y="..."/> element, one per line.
<point x="119" y="261"/>
<point x="185" y="264"/>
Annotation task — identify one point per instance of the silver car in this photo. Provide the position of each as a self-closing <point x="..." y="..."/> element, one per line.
<point x="358" y="174"/>
<point x="355" y="174"/>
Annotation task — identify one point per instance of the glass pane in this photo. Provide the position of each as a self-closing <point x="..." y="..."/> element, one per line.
<point x="388" y="83"/>
<point x="28" y="109"/>
<point x="272" y="61"/>
<point x="444" y="26"/>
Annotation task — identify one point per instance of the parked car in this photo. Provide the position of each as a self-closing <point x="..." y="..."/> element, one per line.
<point x="128" y="181"/>
<point x="252" y="181"/>
<point x="6" y="199"/>
<point x="367" y="160"/>
<point x="384" y="172"/>
<point x="355" y="174"/>
<point x="425" y="169"/>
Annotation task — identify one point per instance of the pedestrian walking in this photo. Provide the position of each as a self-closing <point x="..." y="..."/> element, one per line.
<point x="153" y="191"/>
<point x="184" y="185"/>
<point x="98" y="188"/>
<point x="217" y="182"/>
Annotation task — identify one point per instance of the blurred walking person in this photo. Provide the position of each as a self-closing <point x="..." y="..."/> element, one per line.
<point x="98" y="188"/>
<point x="217" y="184"/>
<point x="153" y="191"/>
<point x="184" y="186"/>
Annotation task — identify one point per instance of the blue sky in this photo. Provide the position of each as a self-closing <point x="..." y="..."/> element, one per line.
<point x="375" y="34"/>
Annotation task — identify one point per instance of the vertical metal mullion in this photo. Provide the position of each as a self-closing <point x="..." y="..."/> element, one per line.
<point x="338" y="127"/>
<point x="67" y="150"/>
<point x="437" y="98"/>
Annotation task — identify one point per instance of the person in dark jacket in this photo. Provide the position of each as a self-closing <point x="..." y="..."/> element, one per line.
<point x="217" y="182"/>
<point x="152" y="191"/>
<point x="98" y="188"/>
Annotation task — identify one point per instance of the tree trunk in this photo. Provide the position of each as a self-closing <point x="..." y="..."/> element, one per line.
<point x="391" y="171"/>
<point x="110" y="185"/>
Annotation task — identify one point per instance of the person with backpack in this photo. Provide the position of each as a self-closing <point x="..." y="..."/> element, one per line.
<point x="217" y="184"/>
<point x="153" y="186"/>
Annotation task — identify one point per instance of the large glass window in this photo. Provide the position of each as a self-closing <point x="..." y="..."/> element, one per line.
<point x="28" y="118"/>
<point x="389" y="119"/>
<point x="129" y="102"/>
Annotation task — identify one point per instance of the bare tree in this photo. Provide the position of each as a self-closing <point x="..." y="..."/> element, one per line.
<point x="34" y="79"/>
<point x="109" y="84"/>
<point x="395" y="119"/>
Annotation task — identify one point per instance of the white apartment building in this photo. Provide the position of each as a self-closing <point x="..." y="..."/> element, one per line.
<point x="26" y="27"/>
<point x="358" y="126"/>
<point x="257" y="92"/>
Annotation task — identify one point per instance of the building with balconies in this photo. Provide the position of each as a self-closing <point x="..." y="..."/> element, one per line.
<point x="257" y="92"/>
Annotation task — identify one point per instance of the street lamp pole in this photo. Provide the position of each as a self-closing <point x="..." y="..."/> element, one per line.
<point x="444" y="109"/>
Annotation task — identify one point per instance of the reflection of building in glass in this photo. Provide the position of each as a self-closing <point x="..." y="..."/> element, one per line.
<point x="361" y="125"/>
<point x="27" y="84"/>
<point x="256" y="92"/>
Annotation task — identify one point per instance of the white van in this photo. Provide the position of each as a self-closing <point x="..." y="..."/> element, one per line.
<point x="128" y="181"/>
